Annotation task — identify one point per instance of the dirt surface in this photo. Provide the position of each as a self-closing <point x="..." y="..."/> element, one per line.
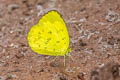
<point x="94" y="29"/>
<point x="108" y="71"/>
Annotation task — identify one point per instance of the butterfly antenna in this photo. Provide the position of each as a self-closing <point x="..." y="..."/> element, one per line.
<point x="69" y="50"/>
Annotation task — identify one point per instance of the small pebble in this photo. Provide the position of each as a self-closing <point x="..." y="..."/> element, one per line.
<point x="12" y="7"/>
<point x="54" y="64"/>
<point x="41" y="2"/>
<point x="9" y="77"/>
<point x="109" y="71"/>
<point x="24" y="1"/>
<point x="3" y="51"/>
<point x="14" y="76"/>
<point x="62" y="77"/>
<point x="2" y="78"/>
<point x="112" y="16"/>
<point x="83" y="20"/>
<point x="80" y="76"/>
<point x="11" y="45"/>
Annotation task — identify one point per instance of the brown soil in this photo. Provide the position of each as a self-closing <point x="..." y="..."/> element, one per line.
<point x="94" y="29"/>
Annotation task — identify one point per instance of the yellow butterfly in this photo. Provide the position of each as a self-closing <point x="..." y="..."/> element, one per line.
<point x="50" y="36"/>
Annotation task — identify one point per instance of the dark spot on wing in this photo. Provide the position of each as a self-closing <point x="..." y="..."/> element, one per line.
<point x="43" y="30"/>
<point x="39" y="32"/>
<point x="57" y="41"/>
<point x="48" y="39"/>
<point x="35" y="39"/>
<point x="54" y="49"/>
<point x="63" y="38"/>
<point x="46" y="42"/>
<point x="50" y="32"/>
<point x="39" y="37"/>
<point x="45" y="47"/>
<point x="62" y="30"/>
<point x="54" y="45"/>
<point x="58" y="31"/>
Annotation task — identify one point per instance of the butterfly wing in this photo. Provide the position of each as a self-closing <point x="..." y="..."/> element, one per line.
<point x="50" y="35"/>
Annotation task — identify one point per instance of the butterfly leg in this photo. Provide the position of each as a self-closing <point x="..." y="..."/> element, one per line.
<point x="64" y="60"/>
<point x="70" y="57"/>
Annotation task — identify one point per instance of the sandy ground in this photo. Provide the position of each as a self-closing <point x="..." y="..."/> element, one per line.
<point x="94" y="29"/>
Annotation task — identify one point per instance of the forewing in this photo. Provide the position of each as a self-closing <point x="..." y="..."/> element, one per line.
<point x="50" y="35"/>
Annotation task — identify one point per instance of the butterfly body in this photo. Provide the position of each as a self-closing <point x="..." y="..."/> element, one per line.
<point x="50" y="36"/>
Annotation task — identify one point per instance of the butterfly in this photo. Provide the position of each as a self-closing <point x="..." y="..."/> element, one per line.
<point x="50" y="36"/>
